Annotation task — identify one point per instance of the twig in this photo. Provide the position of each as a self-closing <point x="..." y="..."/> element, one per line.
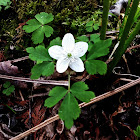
<point x="19" y="59"/>
<point x="39" y="95"/>
<point x="133" y="47"/>
<point x="51" y="82"/>
<point x="96" y="99"/>
<point x="22" y="98"/>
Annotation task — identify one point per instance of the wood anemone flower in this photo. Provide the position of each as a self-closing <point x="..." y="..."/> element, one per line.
<point x="69" y="54"/>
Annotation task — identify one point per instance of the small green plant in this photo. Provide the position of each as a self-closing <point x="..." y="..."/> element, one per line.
<point x="137" y="131"/>
<point x="71" y="54"/>
<point x="39" y="28"/>
<point x="5" y="3"/>
<point x="92" y="25"/>
<point x="8" y="88"/>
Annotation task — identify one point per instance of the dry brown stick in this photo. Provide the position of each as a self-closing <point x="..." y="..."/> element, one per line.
<point x="96" y="99"/>
<point x="19" y="59"/>
<point x="51" y="82"/>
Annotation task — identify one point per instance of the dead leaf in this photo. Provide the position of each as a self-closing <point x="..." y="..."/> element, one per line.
<point x="5" y="132"/>
<point x="60" y="127"/>
<point x="7" y="68"/>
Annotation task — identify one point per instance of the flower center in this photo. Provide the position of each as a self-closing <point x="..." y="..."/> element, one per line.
<point x="69" y="55"/>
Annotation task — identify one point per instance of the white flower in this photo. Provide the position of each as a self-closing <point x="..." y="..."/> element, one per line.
<point x="69" y="54"/>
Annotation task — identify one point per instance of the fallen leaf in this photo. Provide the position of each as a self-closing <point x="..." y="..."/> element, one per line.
<point x="7" y="68"/>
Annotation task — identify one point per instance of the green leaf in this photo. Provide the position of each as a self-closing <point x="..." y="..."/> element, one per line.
<point x="95" y="38"/>
<point x="56" y="41"/>
<point x="39" y="54"/>
<point x="99" y="49"/>
<point x="44" y="18"/>
<point x="33" y="24"/>
<point x="96" y="26"/>
<point x="137" y="132"/>
<point x="6" y="84"/>
<point x="95" y="67"/>
<point x="48" y="30"/>
<point x="90" y="23"/>
<point x="38" y="35"/>
<point x="45" y="69"/>
<point x="90" y="45"/>
<point x="82" y="38"/>
<point x="69" y="110"/>
<point x="89" y="29"/>
<point x="57" y="93"/>
<point x="9" y="90"/>
<point x="78" y="86"/>
<point x="78" y="89"/>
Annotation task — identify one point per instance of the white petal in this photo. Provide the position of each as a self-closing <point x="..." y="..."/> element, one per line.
<point x="62" y="64"/>
<point x="68" y="42"/>
<point x="56" y="52"/>
<point x="77" y="65"/>
<point x="80" y="49"/>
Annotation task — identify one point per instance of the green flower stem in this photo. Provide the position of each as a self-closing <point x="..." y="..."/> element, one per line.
<point x="132" y="35"/>
<point x="69" y="82"/>
<point x="122" y="46"/>
<point x="104" y="18"/>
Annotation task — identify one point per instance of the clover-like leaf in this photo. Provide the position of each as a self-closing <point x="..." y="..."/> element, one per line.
<point x="100" y="48"/>
<point x="8" y="88"/>
<point x="69" y="110"/>
<point x="38" y="35"/>
<point x="44" y="18"/>
<point x="78" y="89"/>
<point x="39" y="54"/>
<point x="39" y="28"/>
<point x="48" y="30"/>
<point x="56" y="94"/>
<point x="89" y="28"/>
<point x="90" y="23"/>
<point x="96" y="67"/>
<point x="33" y="24"/>
<point x="44" y="69"/>
<point x="96" y="26"/>
<point x="6" y="84"/>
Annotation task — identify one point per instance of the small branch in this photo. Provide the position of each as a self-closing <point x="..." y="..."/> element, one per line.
<point x="94" y="100"/>
<point x="19" y="59"/>
<point x="51" y="82"/>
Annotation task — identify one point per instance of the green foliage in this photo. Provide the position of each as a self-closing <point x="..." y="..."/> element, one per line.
<point x="69" y="109"/>
<point x="8" y="88"/>
<point x="100" y="48"/>
<point x="5" y="3"/>
<point x="56" y="41"/>
<point x="44" y="69"/>
<point x="44" y="66"/>
<point x="91" y="25"/>
<point x="96" y="67"/>
<point x="56" y="94"/>
<point x="38" y="27"/>
<point x="78" y="89"/>
<point x="39" y="54"/>
<point x="122" y="46"/>
<point x="93" y="39"/>
<point x="137" y="131"/>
